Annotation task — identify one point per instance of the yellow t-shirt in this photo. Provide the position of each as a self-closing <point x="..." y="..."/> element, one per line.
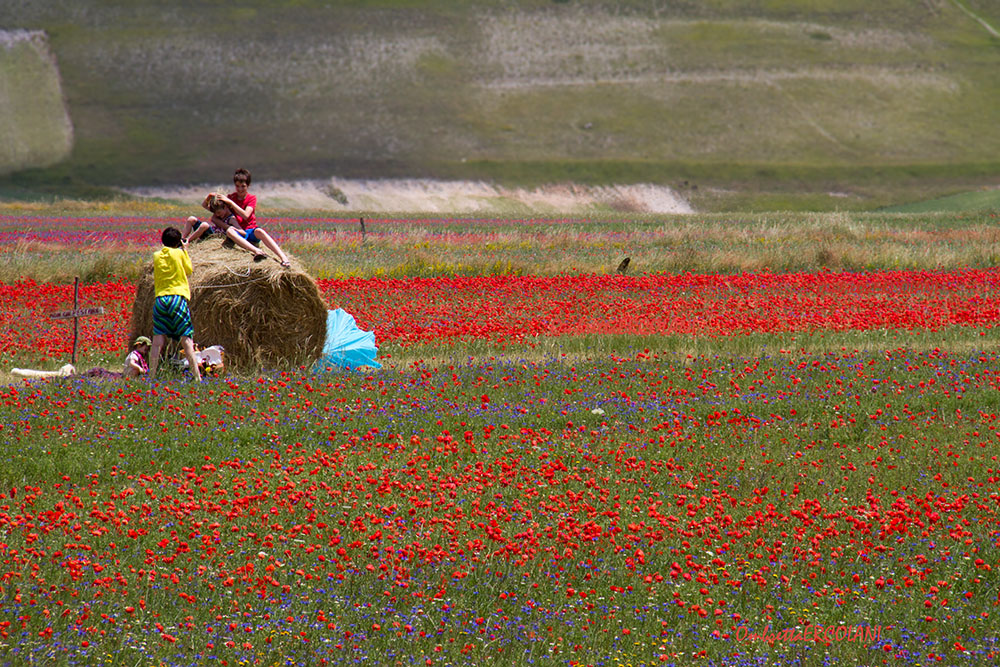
<point x="171" y="267"/>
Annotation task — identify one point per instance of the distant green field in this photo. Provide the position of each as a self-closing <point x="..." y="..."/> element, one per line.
<point x="756" y="103"/>
<point x="980" y="200"/>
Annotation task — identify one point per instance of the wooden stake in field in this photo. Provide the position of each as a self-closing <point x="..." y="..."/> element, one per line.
<point x="76" y="314"/>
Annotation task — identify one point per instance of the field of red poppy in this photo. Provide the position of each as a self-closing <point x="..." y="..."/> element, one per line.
<point x="739" y="469"/>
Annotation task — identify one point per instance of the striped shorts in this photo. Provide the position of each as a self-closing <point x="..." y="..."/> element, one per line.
<point x="172" y="317"/>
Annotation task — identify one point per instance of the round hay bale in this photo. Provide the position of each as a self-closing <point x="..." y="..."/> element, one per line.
<point x="262" y="314"/>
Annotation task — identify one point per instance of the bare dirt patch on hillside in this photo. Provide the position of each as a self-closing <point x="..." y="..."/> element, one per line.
<point x="429" y="196"/>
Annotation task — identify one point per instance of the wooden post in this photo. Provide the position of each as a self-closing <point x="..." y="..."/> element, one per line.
<point x="362" y="230"/>
<point x="76" y="320"/>
<point x="76" y="313"/>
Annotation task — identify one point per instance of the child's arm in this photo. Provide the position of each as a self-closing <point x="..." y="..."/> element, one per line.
<point x="229" y="221"/>
<point x="135" y="365"/>
<point x="186" y="260"/>
<point x="238" y="210"/>
<point x="208" y="198"/>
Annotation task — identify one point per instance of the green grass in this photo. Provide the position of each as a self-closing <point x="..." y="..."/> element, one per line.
<point x="981" y="200"/>
<point x="36" y="131"/>
<point x="407" y="246"/>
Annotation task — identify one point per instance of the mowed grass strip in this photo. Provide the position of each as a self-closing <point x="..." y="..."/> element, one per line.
<point x="45" y="244"/>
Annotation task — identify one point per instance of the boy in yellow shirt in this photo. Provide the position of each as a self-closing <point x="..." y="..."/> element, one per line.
<point x="171" y="314"/>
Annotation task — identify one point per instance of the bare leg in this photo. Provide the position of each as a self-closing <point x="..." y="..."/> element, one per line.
<point x="154" y="354"/>
<point x="199" y="229"/>
<point x="188" y="346"/>
<point x="239" y="240"/>
<point x="271" y="245"/>
<point x="190" y="225"/>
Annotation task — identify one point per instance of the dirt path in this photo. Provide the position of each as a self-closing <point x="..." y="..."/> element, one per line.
<point x="990" y="29"/>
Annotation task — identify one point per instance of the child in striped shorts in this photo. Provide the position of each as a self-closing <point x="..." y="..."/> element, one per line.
<point x="171" y="314"/>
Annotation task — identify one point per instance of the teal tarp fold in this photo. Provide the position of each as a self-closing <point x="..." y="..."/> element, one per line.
<point x="346" y="345"/>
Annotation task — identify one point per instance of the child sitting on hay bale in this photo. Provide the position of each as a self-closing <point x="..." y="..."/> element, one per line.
<point x="222" y="222"/>
<point x="244" y="206"/>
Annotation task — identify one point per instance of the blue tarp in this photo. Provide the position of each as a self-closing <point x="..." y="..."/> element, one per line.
<point x="346" y="345"/>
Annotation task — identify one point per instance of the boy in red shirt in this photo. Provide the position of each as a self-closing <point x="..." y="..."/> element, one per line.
<point x="223" y="221"/>
<point x="244" y="206"/>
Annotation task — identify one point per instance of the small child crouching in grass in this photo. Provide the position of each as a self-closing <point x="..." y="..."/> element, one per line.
<point x="136" y="363"/>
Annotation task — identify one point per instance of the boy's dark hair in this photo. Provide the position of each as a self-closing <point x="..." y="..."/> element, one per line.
<point x="171" y="237"/>
<point x="242" y="175"/>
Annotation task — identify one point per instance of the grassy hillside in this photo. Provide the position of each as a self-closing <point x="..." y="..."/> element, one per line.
<point x="758" y="104"/>
<point x="979" y="200"/>
<point x="34" y="127"/>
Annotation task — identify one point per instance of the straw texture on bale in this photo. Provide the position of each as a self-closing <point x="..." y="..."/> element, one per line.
<point x="264" y="315"/>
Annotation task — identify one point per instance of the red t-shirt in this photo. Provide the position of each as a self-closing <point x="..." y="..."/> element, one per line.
<point x="251" y="200"/>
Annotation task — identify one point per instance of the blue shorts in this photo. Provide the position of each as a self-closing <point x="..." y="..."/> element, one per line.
<point x="249" y="234"/>
<point x="172" y="317"/>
